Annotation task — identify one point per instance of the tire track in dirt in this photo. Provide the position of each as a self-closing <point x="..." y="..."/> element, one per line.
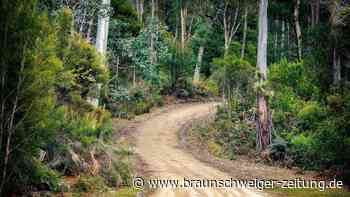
<point x="157" y="144"/>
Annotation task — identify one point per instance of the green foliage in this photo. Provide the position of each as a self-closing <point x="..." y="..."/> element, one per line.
<point x="50" y="72"/>
<point x="314" y="127"/>
<point x="178" y="67"/>
<point x="46" y="177"/>
<point x="301" y="150"/>
<point x="294" y="76"/>
<point x="235" y="77"/>
<point x="90" y="184"/>
<point x="228" y="136"/>
<point x="29" y="68"/>
<point x="310" y="115"/>
<point x="127" y="192"/>
<point x="126" y="103"/>
<point x="124" y="10"/>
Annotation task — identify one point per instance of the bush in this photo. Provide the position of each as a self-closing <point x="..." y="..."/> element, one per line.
<point x="126" y="103"/>
<point x="228" y="135"/>
<point x="91" y="184"/>
<point x="302" y="150"/>
<point x="278" y="149"/>
<point x="46" y="178"/>
<point x="310" y="115"/>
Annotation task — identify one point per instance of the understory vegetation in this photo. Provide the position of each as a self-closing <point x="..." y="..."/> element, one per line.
<point x="70" y="68"/>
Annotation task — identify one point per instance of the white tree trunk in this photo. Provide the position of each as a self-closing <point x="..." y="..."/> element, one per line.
<point x="102" y="30"/>
<point x="152" y="47"/>
<point x="139" y="10"/>
<point x="297" y="27"/>
<point x="183" y="15"/>
<point x="263" y="114"/>
<point x="101" y="44"/>
<point x="245" y="29"/>
<point x="230" y="27"/>
<point x="336" y="68"/>
<point x="196" y="75"/>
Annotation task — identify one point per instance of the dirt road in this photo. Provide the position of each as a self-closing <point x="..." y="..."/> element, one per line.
<point x="157" y="144"/>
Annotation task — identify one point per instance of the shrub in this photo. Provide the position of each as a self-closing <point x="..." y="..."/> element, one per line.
<point x="302" y="150"/>
<point x="47" y="178"/>
<point x="310" y="115"/>
<point x="92" y="184"/>
<point x="278" y="149"/>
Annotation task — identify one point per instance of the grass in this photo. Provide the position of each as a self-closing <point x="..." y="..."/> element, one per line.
<point x="308" y="192"/>
<point x="127" y="192"/>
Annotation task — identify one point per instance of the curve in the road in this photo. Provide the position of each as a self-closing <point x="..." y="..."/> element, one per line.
<point x="157" y="144"/>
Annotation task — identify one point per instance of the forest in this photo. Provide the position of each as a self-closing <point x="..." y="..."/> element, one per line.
<point x="75" y="73"/>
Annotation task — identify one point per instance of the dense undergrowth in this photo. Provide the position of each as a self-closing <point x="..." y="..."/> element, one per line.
<point x="310" y="126"/>
<point x="54" y="78"/>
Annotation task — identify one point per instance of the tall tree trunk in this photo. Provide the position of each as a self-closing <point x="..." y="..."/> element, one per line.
<point x="263" y="113"/>
<point x="139" y="10"/>
<point x="297" y="27"/>
<point x="226" y="34"/>
<point x="134" y="77"/>
<point x="312" y="8"/>
<point x="183" y="15"/>
<point x="288" y="40"/>
<point x="230" y="27"/>
<point x="196" y="75"/>
<point x="283" y="38"/>
<point x="275" y="44"/>
<point x="101" y="43"/>
<point x="102" y="30"/>
<point x="88" y="35"/>
<point x="153" y="29"/>
<point x="336" y="68"/>
<point x="317" y="12"/>
<point x="245" y="29"/>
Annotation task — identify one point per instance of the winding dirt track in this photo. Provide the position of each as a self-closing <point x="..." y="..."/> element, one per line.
<point x="158" y="146"/>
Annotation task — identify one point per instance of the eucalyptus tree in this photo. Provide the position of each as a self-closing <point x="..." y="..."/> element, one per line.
<point x="228" y="15"/>
<point x="263" y="113"/>
<point x="247" y="7"/>
<point x="339" y="16"/>
<point x="298" y="27"/>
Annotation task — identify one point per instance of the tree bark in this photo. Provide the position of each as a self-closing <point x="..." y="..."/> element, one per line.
<point x="102" y="30"/>
<point x="101" y="44"/>
<point x="263" y="114"/>
<point x="139" y="10"/>
<point x="245" y="29"/>
<point x="275" y="44"/>
<point x="288" y="41"/>
<point x="230" y="27"/>
<point x="152" y="47"/>
<point x="196" y="75"/>
<point x="336" y="68"/>
<point x="297" y="27"/>
<point x="88" y="35"/>
<point x="183" y="15"/>
<point x="283" y="38"/>
<point x="317" y="12"/>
